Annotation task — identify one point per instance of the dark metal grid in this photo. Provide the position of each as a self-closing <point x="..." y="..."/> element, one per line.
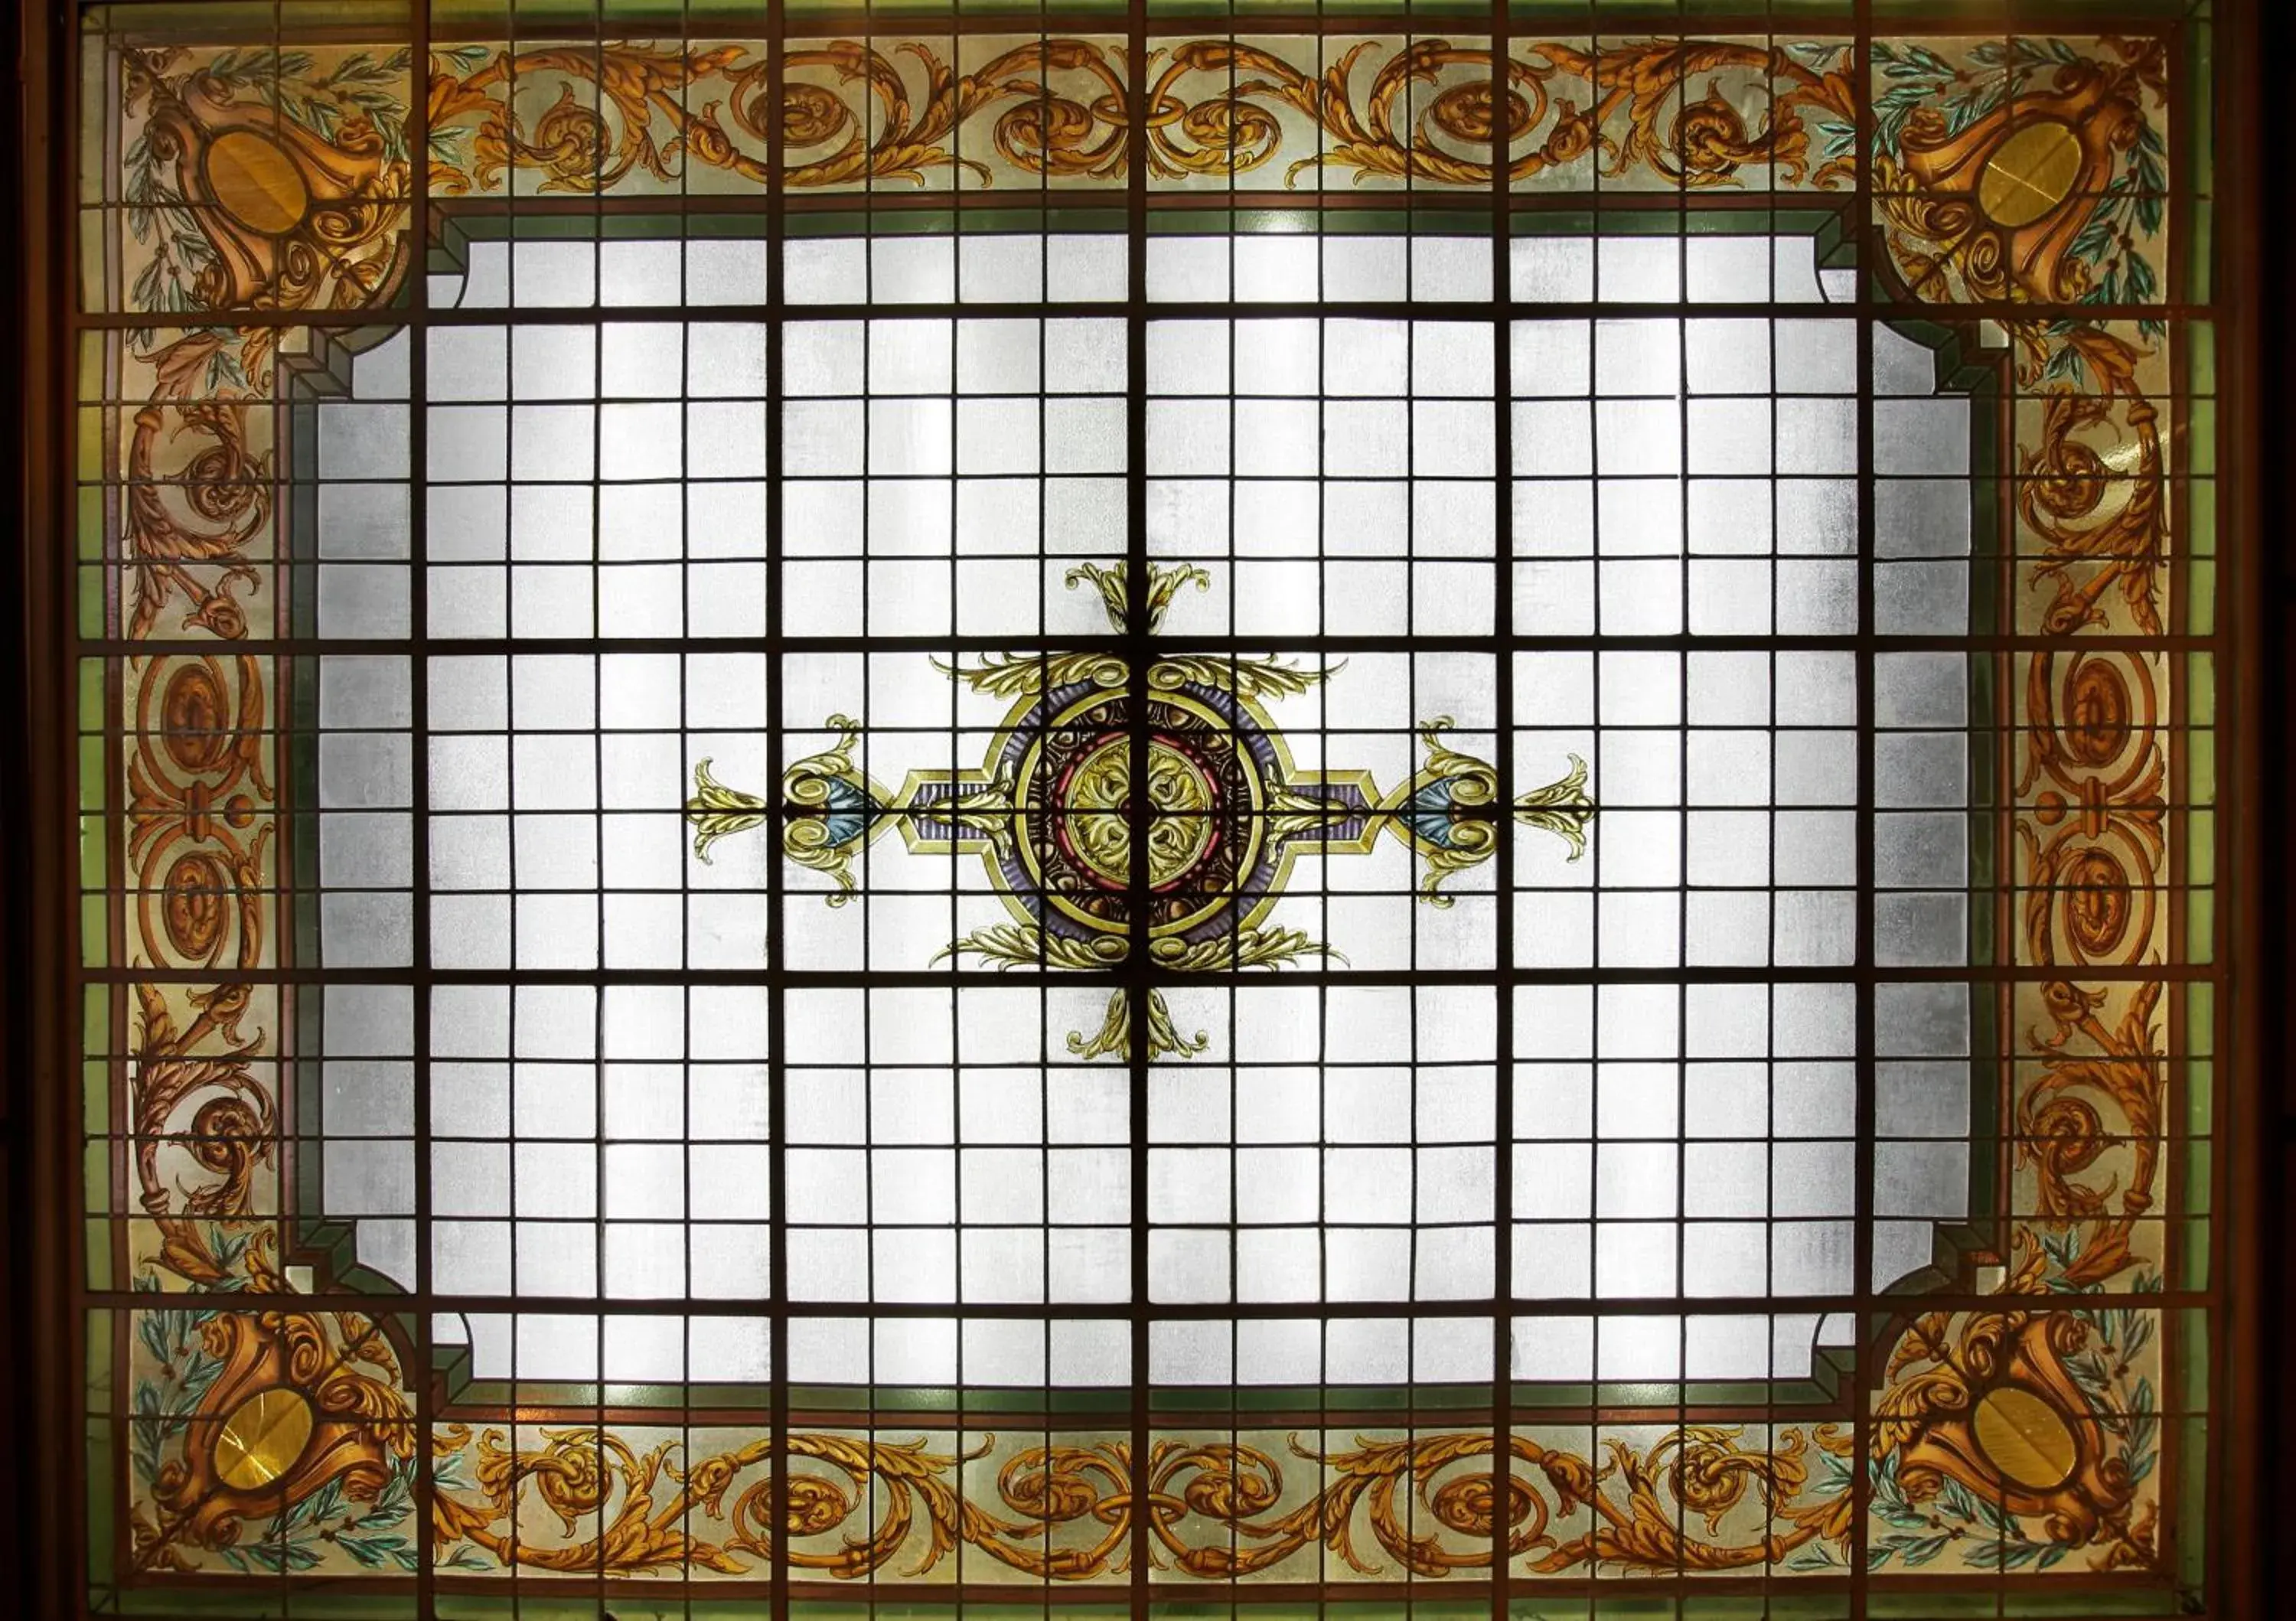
<point x="421" y="226"/>
<point x="777" y="1416"/>
<point x="1950" y="974"/>
<point x="1864" y="933"/>
<point x="1458" y="311"/>
<point x="1138" y="981"/>
<point x="1870" y="258"/>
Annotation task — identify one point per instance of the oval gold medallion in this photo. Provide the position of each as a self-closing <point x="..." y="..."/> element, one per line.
<point x="262" y="1438"/>
<point x="2030" y="174"/>
<point x="255" y="182"/>
<point x="2025" y="1438"/>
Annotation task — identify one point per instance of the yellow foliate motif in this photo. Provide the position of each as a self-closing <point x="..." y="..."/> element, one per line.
<point x="1052" y="811"/>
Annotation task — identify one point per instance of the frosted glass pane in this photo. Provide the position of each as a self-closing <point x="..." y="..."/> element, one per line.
<point x="952" y="476"/>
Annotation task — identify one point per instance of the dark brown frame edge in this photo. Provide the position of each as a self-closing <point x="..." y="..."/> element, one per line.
<point x="2254" y="1569"/>
<point x="43" y="1487"/>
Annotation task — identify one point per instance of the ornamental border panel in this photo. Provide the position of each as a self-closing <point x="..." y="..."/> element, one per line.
<point x="266" y="201"/>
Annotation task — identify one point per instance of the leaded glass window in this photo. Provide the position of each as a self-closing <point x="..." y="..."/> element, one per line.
<point x="1079" y="814"/>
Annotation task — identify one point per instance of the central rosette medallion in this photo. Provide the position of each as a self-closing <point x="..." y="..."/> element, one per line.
<point x="1100" y="768"/>
<point x="1196" y="820"/>
<point x="1093" y="813"/>
<point x="1063" y="822"/>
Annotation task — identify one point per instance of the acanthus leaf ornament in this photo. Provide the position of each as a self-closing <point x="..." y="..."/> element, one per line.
<point x="854" y="113"/>
<point x="207" y="1106"/>
<point x="2089" y="1232"/>
<point x="2095" y="489"/>
<point x="1065" y="1509"/>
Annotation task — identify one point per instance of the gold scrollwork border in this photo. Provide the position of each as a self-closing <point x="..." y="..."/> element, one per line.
<point x="277" y="182"/>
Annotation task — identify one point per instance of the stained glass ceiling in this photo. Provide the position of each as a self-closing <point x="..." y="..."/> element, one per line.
<point x="862" y="795"/>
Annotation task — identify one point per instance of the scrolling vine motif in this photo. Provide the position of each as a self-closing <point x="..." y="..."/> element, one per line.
<point x="1425" y="111"/>
<point x="209" y="1107"/>
<point x="1212" y="1508"/>
<point x="2095" y="488"/>
<point x="634" y="114"/>
<point x="1429" y="108"/>
<point x="2032" y="172"/>
<point x="2062" y="1135"/>
<point x="2093" y="838"/>
<point x="199" y="817"/>
<point x="198" y="809"/>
